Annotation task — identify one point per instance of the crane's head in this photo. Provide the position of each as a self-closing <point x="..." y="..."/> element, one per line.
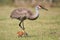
<point x="39" y="6"/>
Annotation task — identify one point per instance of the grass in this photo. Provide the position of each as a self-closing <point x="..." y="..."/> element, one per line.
<point x="46" y="27"/>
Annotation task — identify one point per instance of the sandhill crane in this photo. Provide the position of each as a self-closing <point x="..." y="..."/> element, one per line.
<point x="23" y="14"/>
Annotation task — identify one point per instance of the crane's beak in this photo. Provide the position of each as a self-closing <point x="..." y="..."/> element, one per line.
<point x="43" y="8"/>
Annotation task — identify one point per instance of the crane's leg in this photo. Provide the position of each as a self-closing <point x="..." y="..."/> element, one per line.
<point x="25" y="33"/>
<point x="23" y="25"/>
<point x="20" y="24"/>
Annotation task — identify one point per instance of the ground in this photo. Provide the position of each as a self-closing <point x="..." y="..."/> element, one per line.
<point x="46" y="27"/>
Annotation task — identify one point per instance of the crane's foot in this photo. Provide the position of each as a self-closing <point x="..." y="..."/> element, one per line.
<point x="25" y="34"/>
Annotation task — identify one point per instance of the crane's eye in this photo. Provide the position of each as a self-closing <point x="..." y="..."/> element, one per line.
<point x="38" y="7"/>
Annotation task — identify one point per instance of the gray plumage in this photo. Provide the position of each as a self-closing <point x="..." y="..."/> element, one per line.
<point x="22" y="13"/>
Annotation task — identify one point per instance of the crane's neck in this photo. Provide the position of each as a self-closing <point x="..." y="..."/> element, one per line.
<point x="36" y="15"/>
<point x="37" y="11"/>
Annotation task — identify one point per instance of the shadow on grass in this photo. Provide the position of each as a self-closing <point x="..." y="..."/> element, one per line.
<point x="29" y="36"/>
<point x="32" y="36"/>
